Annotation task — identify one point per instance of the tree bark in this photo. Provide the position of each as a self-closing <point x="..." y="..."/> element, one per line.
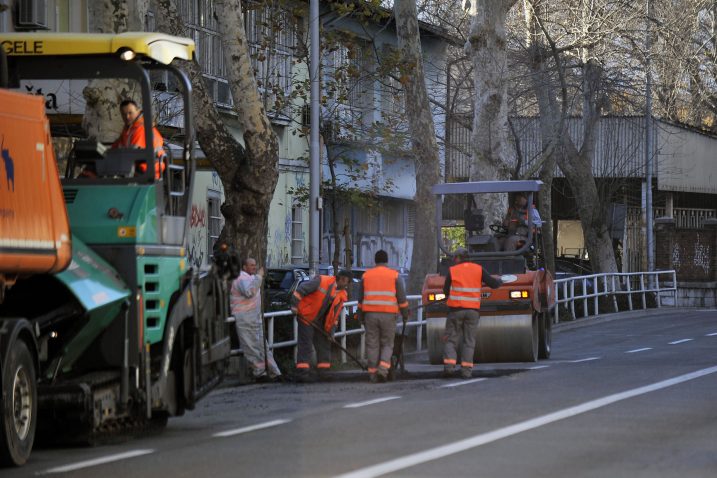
<point x="102" y="120"/>
<point x="249" y="174"/>
<point x="423" y="142"/>
<point x="492" y="153"/>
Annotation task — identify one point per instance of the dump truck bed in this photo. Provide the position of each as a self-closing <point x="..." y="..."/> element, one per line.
<point x="34" y="229"/>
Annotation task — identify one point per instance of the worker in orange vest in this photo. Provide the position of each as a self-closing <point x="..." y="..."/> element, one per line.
<point x="318" y="301"/>
<point x="381" y="297"/>
<point x="463" y="290"/>
<point x="132" y="136"/>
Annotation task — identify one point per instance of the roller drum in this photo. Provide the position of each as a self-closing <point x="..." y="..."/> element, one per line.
<point x="499" y="338"/>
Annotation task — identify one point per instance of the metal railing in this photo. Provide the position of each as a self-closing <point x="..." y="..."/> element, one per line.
<point x="342" y="332"/>
<point x="612" y="285"/>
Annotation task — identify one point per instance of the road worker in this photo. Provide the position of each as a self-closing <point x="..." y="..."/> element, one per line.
<point x="317" y="303"/>
<point x="381" y="296"/>
<point x="245" y="299"/>
<point x="132" y="136"/>
<point x="463" y="290"/>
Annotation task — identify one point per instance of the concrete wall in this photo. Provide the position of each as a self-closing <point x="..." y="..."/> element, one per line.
<point x="692" y="253"/>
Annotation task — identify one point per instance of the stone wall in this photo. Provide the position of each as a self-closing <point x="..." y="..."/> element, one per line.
<point x="692" y="253"/>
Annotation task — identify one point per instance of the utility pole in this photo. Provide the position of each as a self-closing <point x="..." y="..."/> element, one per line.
<point x="648" y="146"/>
<point x="314" y="156"/>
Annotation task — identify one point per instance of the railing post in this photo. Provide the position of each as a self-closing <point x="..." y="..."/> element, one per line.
<point x="596" y="291"/>
<point x="556" y="312"/>
<point x="271" y="334"/>
<point x="419" y="329"/>
<point x="642" y="287"/>
<point x="614" y="293"/>
<point x="585" y="298"/>
<point x="629" y="291"/>
<point x="658" y="292"/>
<point x="342" y="322"/>
<point x="296" y="337"/>
<point x="572" y="298"/>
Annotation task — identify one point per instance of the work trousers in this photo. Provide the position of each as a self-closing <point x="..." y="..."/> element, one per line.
<point x="380" y="333"/>
<point x="461" y="326"/>
<point x="308" y="337"/>
<point x="251" y="339"/>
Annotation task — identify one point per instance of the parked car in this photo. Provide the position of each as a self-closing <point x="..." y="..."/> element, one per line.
<point x="279" y="284"/>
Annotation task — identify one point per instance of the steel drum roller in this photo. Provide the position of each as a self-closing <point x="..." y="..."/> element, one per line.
<point x="499" y="338"/>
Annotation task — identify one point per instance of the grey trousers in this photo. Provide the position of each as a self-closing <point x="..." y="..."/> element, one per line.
<point x="249" y="331"/>
<point x="461" y="326"/>
<point x="380" y="332"/>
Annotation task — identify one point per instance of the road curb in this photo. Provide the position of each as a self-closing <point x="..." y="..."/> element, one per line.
<point x="630" y="314"/>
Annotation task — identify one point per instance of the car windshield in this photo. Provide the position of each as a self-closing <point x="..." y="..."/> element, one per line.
<point x="279" y="279"/>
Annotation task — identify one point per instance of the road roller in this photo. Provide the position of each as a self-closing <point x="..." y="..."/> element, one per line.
<point x="515" y="319"/>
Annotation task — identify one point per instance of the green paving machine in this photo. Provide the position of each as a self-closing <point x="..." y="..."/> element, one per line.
<point x="129" y="333"/>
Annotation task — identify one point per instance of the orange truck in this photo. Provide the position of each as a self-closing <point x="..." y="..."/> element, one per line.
<point x="515" y="322"/>
<point x="34" y="229"/>
<point x="34" y="239"/>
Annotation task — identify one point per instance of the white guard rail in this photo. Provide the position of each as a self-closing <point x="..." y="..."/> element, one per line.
<point x="594" y="286"/>
<point x="341" y="332"/>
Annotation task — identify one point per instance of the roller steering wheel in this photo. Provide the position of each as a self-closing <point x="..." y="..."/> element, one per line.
<point x="498" y="229"/>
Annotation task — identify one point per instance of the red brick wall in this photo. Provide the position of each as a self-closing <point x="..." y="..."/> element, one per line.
<point x="692" y="253"/>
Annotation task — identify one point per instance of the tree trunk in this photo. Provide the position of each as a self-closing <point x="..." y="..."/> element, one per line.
<point x="423" y="142"/>
<point x="102" y="119"/>
<point x="492" y="153"/>
<point x="250" y="174"/>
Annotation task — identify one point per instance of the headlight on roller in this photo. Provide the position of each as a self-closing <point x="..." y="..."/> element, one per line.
<point x="519" y="294"/>
<point x="435" y="297"/>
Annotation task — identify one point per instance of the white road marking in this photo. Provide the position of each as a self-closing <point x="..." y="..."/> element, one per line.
<point x="680" y="341"/>
<point x="711" y="335"/>
<point x="638" y="350"/>
<point x="443" y="451"/>
<point x="538" y="367"/>
<point x="371" y="402"/>
<point x="584" y="360"/>
<point x="251" y="428"/>
<point x="96" y="461"/>
<point x="462" y="382"/>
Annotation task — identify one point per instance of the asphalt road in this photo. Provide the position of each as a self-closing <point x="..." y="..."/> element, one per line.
<point x="630" y="397"/>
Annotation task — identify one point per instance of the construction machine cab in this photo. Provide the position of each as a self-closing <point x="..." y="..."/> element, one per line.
<point x="502" y="250"/>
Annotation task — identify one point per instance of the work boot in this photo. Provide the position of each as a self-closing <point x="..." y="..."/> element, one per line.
<point x="449" y="371"/>
<point x="373" y="378"/>
<point x="466" y="372"/>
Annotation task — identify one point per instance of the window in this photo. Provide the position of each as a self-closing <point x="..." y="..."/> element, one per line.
<point x="346" y="75"/>
<point x="297" y="234"/>
<point x="216" y="220"/>
<point x="271" y="34"/>
<point x="198" y="16"/>
<point x="393" y="218"/>
<point x="366" y="221"/>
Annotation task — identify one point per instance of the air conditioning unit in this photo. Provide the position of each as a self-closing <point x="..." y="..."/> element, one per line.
<point x="31" y="15"/>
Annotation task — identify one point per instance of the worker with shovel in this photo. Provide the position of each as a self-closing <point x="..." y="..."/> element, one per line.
<point x="381" y="296"/>
<point x="317" y="304"/>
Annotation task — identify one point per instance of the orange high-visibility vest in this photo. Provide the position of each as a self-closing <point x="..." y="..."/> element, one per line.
<point x="379" y="291"/>
<point x="133" y="137"/>
<point x="334" y="312"/>
<point x="466" y="281"/>
<point x="311" y="304"/>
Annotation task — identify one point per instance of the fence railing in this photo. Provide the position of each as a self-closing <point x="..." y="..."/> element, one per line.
<point x="612" y="285"/>
<point x="593" y="287"/>
<point x="342" y="332"/>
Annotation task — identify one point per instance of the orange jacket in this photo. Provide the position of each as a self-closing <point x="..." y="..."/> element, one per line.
<point x="466" y="281"/>
<point x="319" y="298"/>
<point x="133" y="137"/>
<point x="379" y="291"/>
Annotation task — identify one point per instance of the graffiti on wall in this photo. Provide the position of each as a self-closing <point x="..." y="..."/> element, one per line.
<point x="197" y="244"/>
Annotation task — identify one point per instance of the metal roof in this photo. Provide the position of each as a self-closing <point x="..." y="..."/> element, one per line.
<point x="476" y="187"/>
<point x="158" y="46"/>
